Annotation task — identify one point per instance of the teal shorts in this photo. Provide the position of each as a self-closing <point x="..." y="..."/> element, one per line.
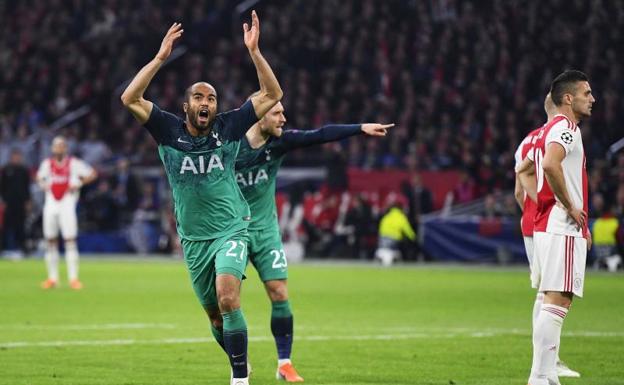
<point x="207" y="259"/>
<point x="266" y="253"/>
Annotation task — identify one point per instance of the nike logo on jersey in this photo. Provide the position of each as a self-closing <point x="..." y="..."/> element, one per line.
<point x="183" y="141"/>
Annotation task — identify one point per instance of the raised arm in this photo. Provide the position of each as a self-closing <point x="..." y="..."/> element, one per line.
<point x="132" y="97"/>
<point x="292" y="139"/>
<point x="270" y="90"/>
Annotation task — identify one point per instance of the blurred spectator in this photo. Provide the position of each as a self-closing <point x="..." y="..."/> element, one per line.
<point x="336" y="165"/>
<point x="103" y="209"/>
<point x="597" y="205"/>
<point x="491" y="208"/>
<point x="94" y="151"/>
<point x="168" y="224"/>
<point x="619" y="201"/>
<point x="604" y="233"/>
<point x="126" y="188"/>
<point x="320" y="227"/>
<point x="510" y="206"/>
<point x="395" y="233"/>
<point x="291" y="213"/>
<point x="362" y="227"/>
<point x="15" y="191"/>
<point x="466" y="189"/>
<point x="419" y="199"/>
<point x="144" y="230"/>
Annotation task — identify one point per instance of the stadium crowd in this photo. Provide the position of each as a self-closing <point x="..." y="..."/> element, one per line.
<point x="463" y="81"/>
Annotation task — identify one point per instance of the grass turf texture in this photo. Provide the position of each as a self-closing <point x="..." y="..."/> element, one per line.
<point x="137" y="322"/>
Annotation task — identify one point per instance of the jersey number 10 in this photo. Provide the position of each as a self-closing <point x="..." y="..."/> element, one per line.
<point x="539" y="171"/>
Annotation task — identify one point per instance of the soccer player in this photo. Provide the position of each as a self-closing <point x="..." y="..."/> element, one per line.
<point x="561" y="237"/>
<point x="199" y="154"/>
<point x="61" y="177"/>
<point x="529" y="207"/>
<point x="261" y="154"/>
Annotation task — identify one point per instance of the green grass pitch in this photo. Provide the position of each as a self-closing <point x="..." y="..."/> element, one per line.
<point x="137" y="322"/>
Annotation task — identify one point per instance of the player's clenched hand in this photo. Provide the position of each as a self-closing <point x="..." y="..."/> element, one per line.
<point x="578" y="216"/>
<point x="588" y="238"/>
<point x="376" y="129"/>
<point x="173" y="34"/>
<point x="251" y="34"/>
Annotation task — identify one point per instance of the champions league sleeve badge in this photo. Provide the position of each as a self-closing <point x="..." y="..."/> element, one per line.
<point x="567" y="137"/>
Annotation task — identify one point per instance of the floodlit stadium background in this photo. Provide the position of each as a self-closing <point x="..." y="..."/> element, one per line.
<point x="463" y="81"/>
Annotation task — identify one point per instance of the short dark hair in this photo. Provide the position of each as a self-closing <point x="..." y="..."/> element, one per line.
<point x="189" y="90"/>
<point x="187" y="93"/>
<point x="565" y="83"/>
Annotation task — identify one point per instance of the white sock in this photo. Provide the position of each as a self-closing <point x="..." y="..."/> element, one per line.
<point x="52" y="261"/>
<point x="283" y="361"/>
<point x="71" y="258"/>
<point x="537" y="306"/>
<point x="546" y="337"/>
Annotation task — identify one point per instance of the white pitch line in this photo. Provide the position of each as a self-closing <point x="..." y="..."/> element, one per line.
<point x="312" y="338"/>
<point x="116" y="326"/>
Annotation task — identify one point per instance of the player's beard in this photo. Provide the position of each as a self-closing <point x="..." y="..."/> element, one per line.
<point x="194" y="118"/>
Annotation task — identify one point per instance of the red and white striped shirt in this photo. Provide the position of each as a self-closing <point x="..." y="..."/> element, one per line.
<point x="529" y="207"/>
<point x="551" y="217"/>
<point x="60" y="176"/>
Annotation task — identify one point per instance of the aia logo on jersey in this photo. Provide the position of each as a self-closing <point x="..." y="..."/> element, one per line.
<point x="567" y="137"/>
<point x="199" y="166"/>
<point x="250" y="179"/>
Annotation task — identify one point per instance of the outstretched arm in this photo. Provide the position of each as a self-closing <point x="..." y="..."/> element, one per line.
<point x="270" y="91"/>
<point x="292" y="139"/>
<point x="132" y="97"/>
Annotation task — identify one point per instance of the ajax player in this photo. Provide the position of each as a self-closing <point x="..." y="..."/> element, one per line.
<point x="61" y="177"/>
<point x="561" y="237"/>
<point x="526" y="183"/>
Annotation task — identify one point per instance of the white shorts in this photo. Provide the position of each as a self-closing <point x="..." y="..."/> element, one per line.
<point x="60" y="217"/>
<point x="559" y="263"/>
<point x="528" y="246"/>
